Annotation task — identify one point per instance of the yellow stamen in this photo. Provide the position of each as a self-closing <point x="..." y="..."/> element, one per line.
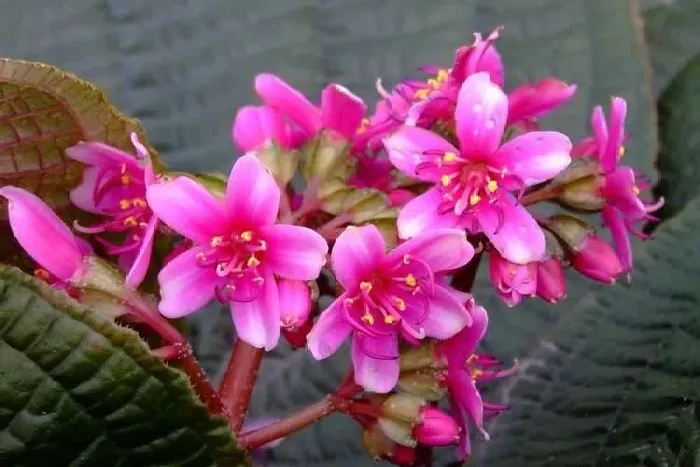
<point x="411" y="280"/>
<point x="131" y="221"/>
<point x="216" y="241"/>
<point x="477" y="373"/>
<point x="388" y="319"/>
<point x="445" y="180"/>
<point x="41" y="273"/>
<point x="252" y="262"/>
<point x="442" y="75"/>
<point x="422" y="93"/>
<point x="471" y="359"/>
<point x="247" y="236"/>
<point x="139" y="203"/>
<point x="492" y="186"/>
<point x="124" y="203"/>
<point x="635" y="190"/>
<point x="366" y="287"/>
<point x="363" y="125"/>
<point x="433" y="83"/>
<point x="400" y="304"/>
<point x="474" y="199"/>
<point x="621" y="152"/>
<point x="369" y="319"/>
<point x="125" y="179"/>
<point x="449" y="157"/>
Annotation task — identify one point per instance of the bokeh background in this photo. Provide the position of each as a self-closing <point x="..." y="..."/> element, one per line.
<point x="183" y="67"/>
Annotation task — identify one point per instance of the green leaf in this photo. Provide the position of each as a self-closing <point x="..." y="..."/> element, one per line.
<point x="601" y="387"/>
<point x="679" y="130"/>
<point x="43" y="111"/>
<point x="76" y="389"/>
<point x="673" y="38"/>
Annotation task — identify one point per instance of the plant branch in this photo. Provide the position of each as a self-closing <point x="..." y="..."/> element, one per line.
<point x="239" y="380"/>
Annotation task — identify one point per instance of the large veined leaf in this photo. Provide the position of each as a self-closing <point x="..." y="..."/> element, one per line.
<point x="679" y="153"/>
<point x="604" y="386"/>
<point x="76" y="389"/>
<point x="671" y="32"/>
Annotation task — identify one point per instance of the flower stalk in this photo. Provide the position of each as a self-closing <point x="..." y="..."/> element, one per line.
<point x="239" y="380"/>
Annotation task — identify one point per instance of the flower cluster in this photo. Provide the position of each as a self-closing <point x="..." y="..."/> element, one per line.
<point x="387" y="213"/>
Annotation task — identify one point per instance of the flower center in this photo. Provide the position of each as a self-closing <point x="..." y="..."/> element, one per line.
<point x="397" y="295"/>
<point x="236" y="257"/>
<point x="466" y="185"/>
<point x="432" y="84"/>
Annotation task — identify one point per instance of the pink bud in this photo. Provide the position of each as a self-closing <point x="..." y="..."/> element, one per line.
<point x="290" y="102"/>
<point x="597" y="260"/>
<point x="436" y="428"/>
<point x="512" y="281"/>
<point x="43" y="235"/>
<point x="295" y="302"/>
<point x="551" y="283"/>
<point x="341" y="110"/>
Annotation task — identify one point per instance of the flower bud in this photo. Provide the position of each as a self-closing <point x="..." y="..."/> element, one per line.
<point x="597" y="260"/>
<point x="551" y="283"/>
<point x="512" y="281"/>
<point x="402" y="407"/>
<point x="379" y="446"/>
<point x="324" y="155"/>
<point x="423" y="384"/>
<point x="295" y="301"/>
<point x="571" y="230"/>
<point x="533" y="100"/>
<point x="419" y="358"/>
<point x="579" y="185"/>
<point x="436" y="428"/>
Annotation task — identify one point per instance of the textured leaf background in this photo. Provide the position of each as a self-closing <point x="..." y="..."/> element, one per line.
<point x="76" y="389"/>
<point x="184" y="68"/>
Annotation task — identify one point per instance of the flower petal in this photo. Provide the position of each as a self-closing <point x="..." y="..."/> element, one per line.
<point x="252" y="195"/>
<point x="616" y="135"/>
<point x="188" y="208"/>
<point x="83" y="196"/>
<point x="422" y="213"/>
<point x="295" y="298"/>
<point x="376" y="362"/>
<point x="184" y="286"/>
<point x="481" y="114"/>
<point x="534" y="100"/>
<point x="407" y="149"/>
<point x="258" y="322"/>
<point x="616" y="224"/>
<point x="458" y="348"/>
<point x="356" y="253"/>
<point x="330" y="331"/>
<point x="42" y="234"/>
<point x="98" y="154"/>
<point x="341" y="110"/>
<point x="447" y="315"/>
<point x="600" y="130"/>
<point x="512" y="230"/>
<point x="463" y="389"/>
<point x="280" y="95"/>
<point x="255" y="125"/>
<point x="441" y="249"/>
<point x="294" y="252"/>
<point x="138" y="269"/>
<point x="535" y="157"/>
<point x="619" y="190"/>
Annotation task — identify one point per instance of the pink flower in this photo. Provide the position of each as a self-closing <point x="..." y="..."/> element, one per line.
<point x="238" y="252"/>
<point x="296" y="300"/>
<point x="423" y="103"/>
<point x="464" y="369"/>
<point x="114" y="185"/>
<point x="256" y="126"/>
<point x="474" y="184"/>
<point x="388" y="296"/>
<point x="618" y="187"/>
<point x="512" y="281"/>
<point x="528" y="102"/>
<point x="44" y="236"/>
<point x="435" y="428"/>
<point x="341" y="111"/>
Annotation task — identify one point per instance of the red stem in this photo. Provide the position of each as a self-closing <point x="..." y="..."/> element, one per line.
<point x="294" y="422"/>
<point x="545" y="194"/>
<point x="179" y="350"/>
<point x="239" y="380"/>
